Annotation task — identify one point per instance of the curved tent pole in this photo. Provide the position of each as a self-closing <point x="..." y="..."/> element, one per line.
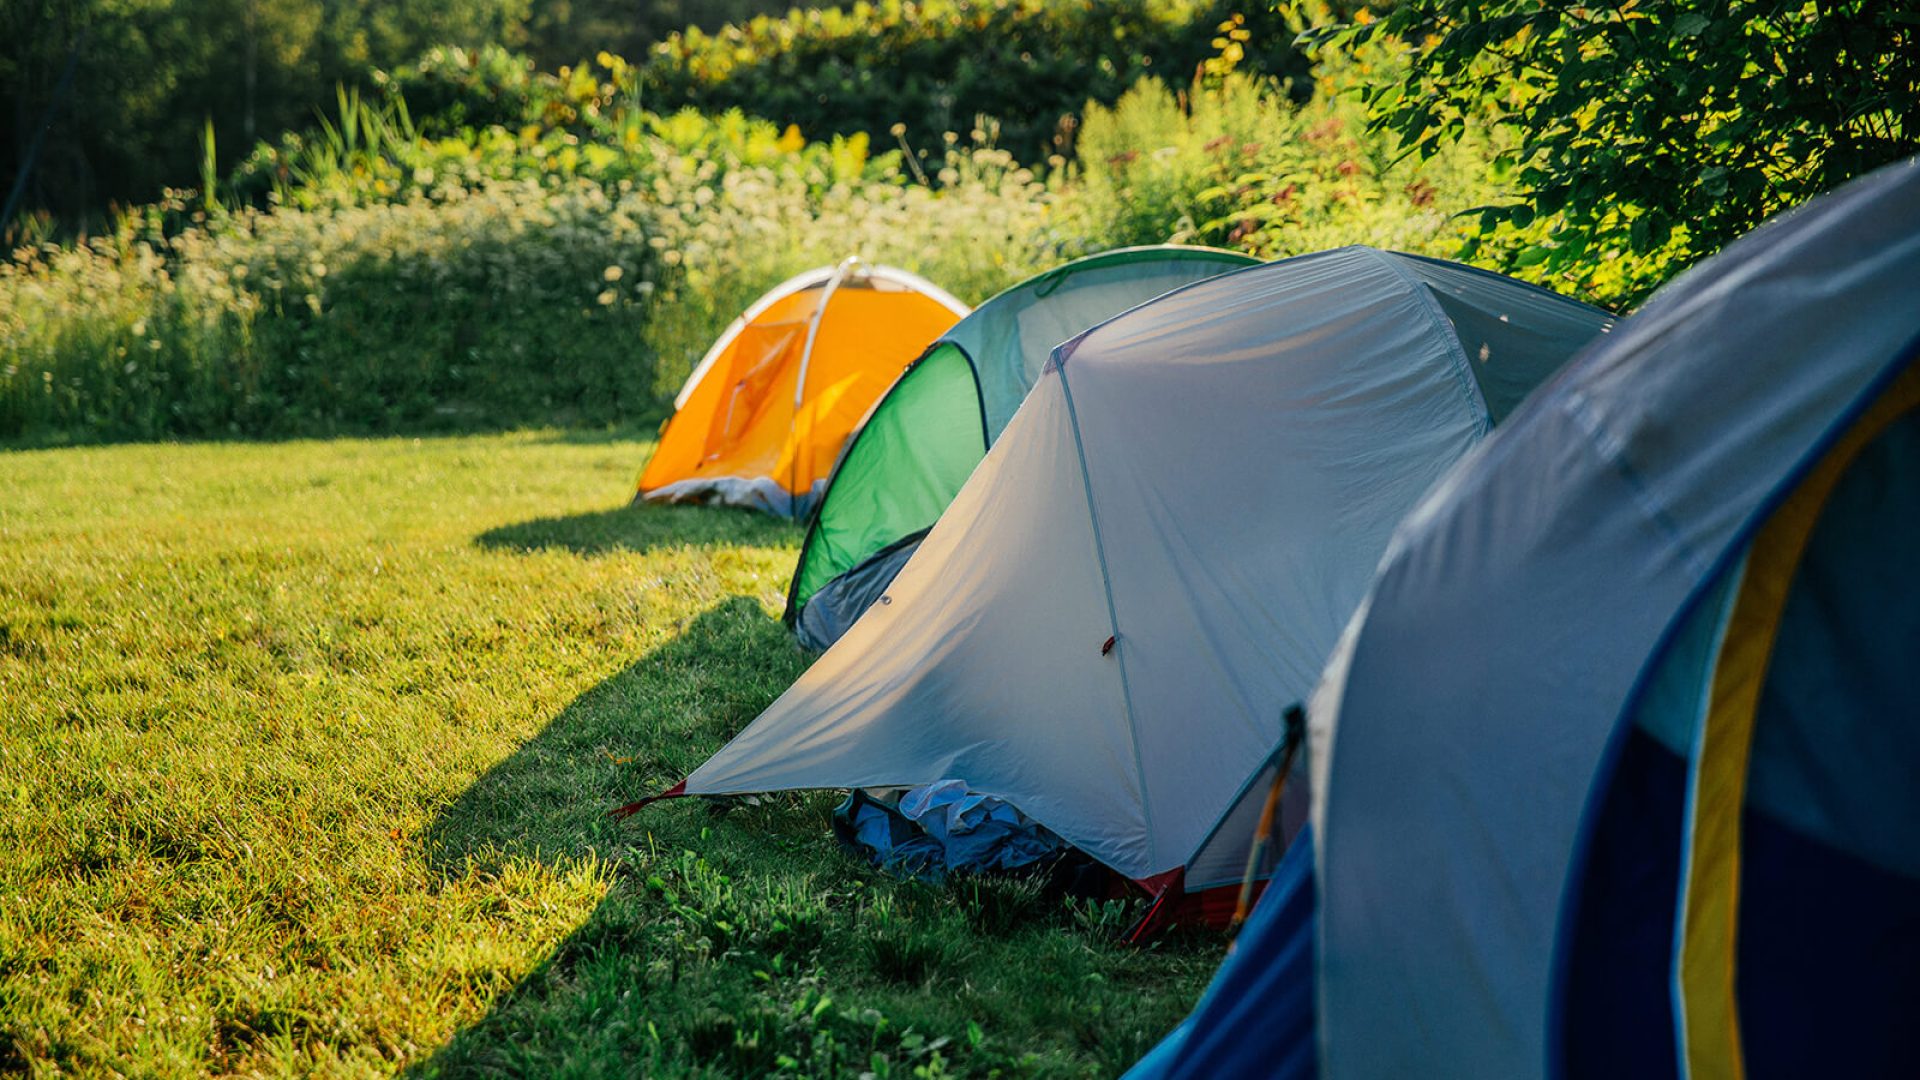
<point x="846" y="269"/>
<point x="796" y="284"/>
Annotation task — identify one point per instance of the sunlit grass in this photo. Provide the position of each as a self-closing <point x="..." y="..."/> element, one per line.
<point x="305" y="753"/>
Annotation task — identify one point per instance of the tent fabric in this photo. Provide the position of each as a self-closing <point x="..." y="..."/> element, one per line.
<point x="927" y="434"/>
<point x="1518" y="707"/>
<point x="764" y="415"/>
<point x="832" y="612"/>
<point x="1108" y="624"/>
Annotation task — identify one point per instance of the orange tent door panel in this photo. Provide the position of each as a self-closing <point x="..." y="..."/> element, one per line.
<point x="762" y="419"/>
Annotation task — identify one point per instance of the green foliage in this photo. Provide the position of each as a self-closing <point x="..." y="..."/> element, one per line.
<point x="562" y="31"/>
<point x="1655" y="130"/>
<point x="931" y="67"/>
<point x="481" y="307"/>
<point x="151" y="73"/>
<point x="1238" y="165"/>
<point x="485" y="279"/>
<point x="306" y="756"/>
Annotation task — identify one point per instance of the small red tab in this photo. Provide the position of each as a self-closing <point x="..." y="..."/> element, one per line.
<point x="620" y="813"/>
<point x="1107" y="646"/>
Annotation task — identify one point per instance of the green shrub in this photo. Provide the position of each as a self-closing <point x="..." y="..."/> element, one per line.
<point x="934" y="65"/>
<point x="492" y="278"/>
<point x="1236" y="165"/>
<point x="504" y="304"/>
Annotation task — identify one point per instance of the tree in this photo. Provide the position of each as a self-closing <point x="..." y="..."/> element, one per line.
<point x="1656" y="125"/>
<point x="150" y="74"/>
<point x="568" y="31"/>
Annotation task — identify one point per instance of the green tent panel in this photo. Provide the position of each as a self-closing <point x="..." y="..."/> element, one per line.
<point x="924" y="437"/>
<point x="900" y="472"/>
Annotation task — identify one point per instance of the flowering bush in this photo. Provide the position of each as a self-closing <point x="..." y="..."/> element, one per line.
<point x="378" y="275"/>
<point x="490" y="279"/>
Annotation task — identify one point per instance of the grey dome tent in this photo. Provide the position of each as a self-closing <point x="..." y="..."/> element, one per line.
<point x="924" y="437"/>
<point x="1108" y="624"/>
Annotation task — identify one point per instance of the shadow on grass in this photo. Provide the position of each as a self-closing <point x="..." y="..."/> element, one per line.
<point x="631" y="735"/>
<point x="548" y="803"/>
<point x="638" y="527"/>
<point x="741" y="942"/>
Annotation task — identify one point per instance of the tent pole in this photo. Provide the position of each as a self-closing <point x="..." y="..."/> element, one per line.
<point x="840" y="274"/>
<point x="1263" y="835"/>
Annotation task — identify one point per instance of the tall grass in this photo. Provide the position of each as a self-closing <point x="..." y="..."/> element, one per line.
<point x="1235" y="166"/>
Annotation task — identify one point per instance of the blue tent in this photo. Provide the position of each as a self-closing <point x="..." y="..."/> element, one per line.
<point x="1618" y="767"/>
<point x="1257" y="1017"/>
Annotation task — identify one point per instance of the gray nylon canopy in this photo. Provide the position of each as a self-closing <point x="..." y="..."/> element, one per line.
<point x="1154" y="560"/>
<point x="923" y="439"/>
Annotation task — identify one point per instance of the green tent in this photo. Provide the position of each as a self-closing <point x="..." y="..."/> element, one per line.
<point x="922" y="440"/>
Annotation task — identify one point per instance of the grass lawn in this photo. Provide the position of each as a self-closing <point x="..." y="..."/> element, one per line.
<point x="305" y="754"/>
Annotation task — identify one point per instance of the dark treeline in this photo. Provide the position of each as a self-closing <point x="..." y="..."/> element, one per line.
<point x="147" y="79"/>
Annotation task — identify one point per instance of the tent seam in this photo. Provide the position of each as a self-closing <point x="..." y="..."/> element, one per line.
<point x="979" y="393"/>
<point x="1113" y="617"/>
<point x="1462" y="369"/>
<point x="1729" y="556"/>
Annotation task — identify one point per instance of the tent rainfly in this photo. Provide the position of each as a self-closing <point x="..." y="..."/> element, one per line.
<point x="1107" y="626"/>
<point x="765" y="413"/>
<point x="1619" y="769"/>
<point x="925" y="436"/>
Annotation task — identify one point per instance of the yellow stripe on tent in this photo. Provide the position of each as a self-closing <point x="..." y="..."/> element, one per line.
<point x="1709" y="922"/>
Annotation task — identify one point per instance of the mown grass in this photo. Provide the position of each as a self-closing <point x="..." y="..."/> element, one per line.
<point x="305" y="754"/>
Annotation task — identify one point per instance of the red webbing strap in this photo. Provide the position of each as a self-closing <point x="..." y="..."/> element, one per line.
<point x="622" y="812"/>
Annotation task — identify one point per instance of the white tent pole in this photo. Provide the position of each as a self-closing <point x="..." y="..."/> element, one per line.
<point x="840" y="274"/>
<point x="794" y="284"/>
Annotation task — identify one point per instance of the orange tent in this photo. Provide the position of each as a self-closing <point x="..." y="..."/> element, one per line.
<point x="761" y="420"/>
